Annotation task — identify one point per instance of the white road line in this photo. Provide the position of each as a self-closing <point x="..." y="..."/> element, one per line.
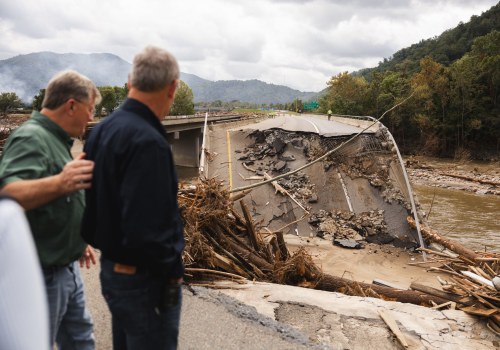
<point x="345" y="192"/>
<point x="314" y="125"/>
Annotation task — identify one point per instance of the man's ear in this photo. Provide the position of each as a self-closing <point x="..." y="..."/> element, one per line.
<point x="70" y="104"/>
<point x="172" y="88"/>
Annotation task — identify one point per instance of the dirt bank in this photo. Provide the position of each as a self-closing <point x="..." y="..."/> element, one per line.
<point x="475" y="177"/>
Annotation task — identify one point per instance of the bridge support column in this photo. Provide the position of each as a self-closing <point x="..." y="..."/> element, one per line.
<point x="186" y="147"/>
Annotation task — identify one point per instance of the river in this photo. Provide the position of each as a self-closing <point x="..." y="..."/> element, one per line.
<point x="471" y="219"/>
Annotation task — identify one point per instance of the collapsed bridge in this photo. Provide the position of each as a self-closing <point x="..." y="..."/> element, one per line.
<point x="363" y="183"/>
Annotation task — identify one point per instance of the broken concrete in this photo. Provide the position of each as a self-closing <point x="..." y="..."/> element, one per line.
<point x="362" y="177"/>
<point x="346" y="322"/>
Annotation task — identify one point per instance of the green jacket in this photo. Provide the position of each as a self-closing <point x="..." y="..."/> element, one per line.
<point x="40" y="148"/>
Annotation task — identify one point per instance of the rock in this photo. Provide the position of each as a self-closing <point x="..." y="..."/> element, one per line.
<point x="287" y="157"/>
<point x="313" y="199"/>
<point x="376" y="182"/>
<point x="346" y="215"/>
<point x="297" y="142"/>
<point x="370" y="231"/>
<point x="313" y="220"/>
<point x="329" y="226"/>
<point x="347" y="243"/>
<point x="279" y="166"/>
<point x="279" y="145"/>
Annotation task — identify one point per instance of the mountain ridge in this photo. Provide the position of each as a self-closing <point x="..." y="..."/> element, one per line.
<point x="27" y="74"/>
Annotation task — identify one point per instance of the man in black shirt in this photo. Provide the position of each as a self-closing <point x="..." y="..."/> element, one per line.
<point x="132" y="214"/>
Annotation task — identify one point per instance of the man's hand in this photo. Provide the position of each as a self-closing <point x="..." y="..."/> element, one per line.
<point x="76" y="175"/>
<point x="88" y="257"/>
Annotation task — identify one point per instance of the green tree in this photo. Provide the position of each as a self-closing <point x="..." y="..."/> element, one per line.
<point x="486" y="52"/>
<point x="38" y="99"/>
<point x="183" y="102"/>
<point x="297" y="105"/>
<point x="346" y="94"/>
<point x="121" y="93"/>
<point x="109" y="100"/>
<point x="9" y="101"/>
<point x="466" y="96"/>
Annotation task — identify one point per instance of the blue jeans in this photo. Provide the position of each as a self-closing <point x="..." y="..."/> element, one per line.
<point x="70" y="322"/>
<point x="145" y="309"/>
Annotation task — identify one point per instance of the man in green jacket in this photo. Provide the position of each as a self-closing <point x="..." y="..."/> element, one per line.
<point x="40" y="173"/>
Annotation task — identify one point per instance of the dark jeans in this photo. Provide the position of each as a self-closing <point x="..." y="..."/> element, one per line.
<point x="145" y="309"/>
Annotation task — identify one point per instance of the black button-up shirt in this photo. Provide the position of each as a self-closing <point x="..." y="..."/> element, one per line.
<point x="132" y="214"/>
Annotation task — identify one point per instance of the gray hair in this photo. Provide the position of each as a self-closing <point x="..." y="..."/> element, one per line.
<point x="153" y="69"/>
<point x="69" y="84"/>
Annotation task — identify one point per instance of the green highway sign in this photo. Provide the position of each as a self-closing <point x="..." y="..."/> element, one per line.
<point x="311" y="105"/>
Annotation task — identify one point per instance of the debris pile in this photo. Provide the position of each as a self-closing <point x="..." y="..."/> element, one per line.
<point x="222" y="244"/>
<point x="472" y="285"/>
<point x="268" y="156"/>
<point x="369" y="157"/>
<point x="348" y="229"/>
<point x="218" y="238"/>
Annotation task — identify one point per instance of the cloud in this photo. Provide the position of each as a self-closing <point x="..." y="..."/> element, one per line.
<point x="298" y="43"/>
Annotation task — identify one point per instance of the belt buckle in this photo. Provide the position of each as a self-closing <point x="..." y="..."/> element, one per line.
<point x="124" y="269"/>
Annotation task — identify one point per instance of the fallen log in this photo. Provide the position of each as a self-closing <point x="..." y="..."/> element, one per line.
<point x="238" y="196"/>
<point x="472" y="179"/>
<point x="257" y="260"/>
<point x="436" y="292"/>
<point x="334" y="284"/>
<point x="446" y="242"/>
<point x="249" y="224"/>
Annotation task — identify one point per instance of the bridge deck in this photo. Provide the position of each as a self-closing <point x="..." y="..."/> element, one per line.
<point x="316" y="124"/>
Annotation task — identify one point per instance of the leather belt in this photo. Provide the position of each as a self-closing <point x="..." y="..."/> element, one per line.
<point x="124" y="269"/>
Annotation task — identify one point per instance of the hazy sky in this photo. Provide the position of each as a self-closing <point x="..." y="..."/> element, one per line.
<point x="297" y="43"/>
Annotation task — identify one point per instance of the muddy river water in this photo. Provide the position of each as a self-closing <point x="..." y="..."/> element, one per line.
<point x="468" y="218"/>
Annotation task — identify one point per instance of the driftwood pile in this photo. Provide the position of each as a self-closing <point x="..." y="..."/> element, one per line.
<point x="471" y="273"/>
<point x="222" y="244"/>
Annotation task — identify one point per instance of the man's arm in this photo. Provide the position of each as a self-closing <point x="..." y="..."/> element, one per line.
<point x="76" y="175"/>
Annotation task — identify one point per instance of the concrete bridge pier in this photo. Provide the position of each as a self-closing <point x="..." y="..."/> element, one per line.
<point x="186" y="146"/>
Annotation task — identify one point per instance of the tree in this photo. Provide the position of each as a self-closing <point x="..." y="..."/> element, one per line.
<point x="38" y="99"/>
<point x="486" y="52"/>
<point x="297" y="105"/>
<point x="183" y="102"/>
<point x="346" y="94"/>
<point x="109" y="100"/>
<point x="9" y="101"/>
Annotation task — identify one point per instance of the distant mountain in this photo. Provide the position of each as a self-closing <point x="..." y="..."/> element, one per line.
<point x="27" y="74"/>
<point x="253" y="91"/>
